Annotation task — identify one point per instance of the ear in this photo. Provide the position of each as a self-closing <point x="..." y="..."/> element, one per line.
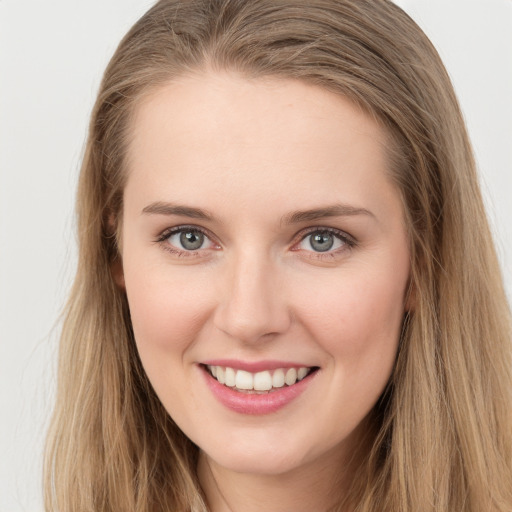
<point x="410" y="297"/>
<point x="116" y="268"/>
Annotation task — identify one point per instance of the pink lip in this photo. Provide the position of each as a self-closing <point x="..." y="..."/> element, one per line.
<point x="254" y="366"/>
<point x="246" y="403"/>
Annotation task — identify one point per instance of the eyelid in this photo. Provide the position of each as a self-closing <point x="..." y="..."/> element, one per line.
<point x="168" y="232"/>
<point x="349" y="240"/>
<point x="336" y="231"/>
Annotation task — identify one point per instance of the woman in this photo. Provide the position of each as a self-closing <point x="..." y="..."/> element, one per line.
<point x="287" y="295"/>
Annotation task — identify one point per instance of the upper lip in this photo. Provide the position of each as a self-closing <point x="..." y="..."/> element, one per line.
<point x="254" y="366"/>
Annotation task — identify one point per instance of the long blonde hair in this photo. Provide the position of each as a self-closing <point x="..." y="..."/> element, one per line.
<point x="442" y="431"/>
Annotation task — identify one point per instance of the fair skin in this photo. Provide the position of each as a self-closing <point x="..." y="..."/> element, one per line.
<point x="261" y="232"/>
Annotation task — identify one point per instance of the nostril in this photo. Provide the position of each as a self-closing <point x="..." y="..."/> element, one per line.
<point x="251" y="326"/>
<point x="251" y="307"/>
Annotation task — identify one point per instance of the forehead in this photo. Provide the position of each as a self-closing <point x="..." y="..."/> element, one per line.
<point x="222" y="133"/>
<point x="221" y="103"/>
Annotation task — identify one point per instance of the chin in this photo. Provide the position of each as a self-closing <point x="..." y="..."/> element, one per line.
<point x="273" y="465"/>
<point x="260" y="457"/>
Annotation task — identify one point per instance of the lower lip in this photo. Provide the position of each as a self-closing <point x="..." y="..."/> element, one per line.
<point x="248" y="403"/>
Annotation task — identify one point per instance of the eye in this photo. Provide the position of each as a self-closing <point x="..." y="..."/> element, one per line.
<point x="183" y="240"/>
<point x="325" y="240"/>
<point x="189" y="240"/>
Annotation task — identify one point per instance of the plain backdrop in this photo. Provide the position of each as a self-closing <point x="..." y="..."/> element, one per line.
<point x="52" y="55"/>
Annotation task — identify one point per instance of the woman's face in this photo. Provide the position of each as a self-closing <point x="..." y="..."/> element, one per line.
<point x="263" y="242"/>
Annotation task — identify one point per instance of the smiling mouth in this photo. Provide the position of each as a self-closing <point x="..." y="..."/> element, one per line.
<point x="263" y="382"/>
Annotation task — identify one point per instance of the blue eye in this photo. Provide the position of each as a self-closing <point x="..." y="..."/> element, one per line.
<point x="323" y="241"/>
<point x="190" y="240"/>
<point x="187" y="239"/>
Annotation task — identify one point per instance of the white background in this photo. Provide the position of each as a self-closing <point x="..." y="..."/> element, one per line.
<point x="52" y="55"/>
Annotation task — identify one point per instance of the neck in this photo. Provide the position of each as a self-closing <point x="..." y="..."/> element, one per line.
<point x="319" y="485"/>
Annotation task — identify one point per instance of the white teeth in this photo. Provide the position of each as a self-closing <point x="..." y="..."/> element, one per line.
<point x="244" y="380"/>
<point x="301" y="373"/>
<point x="220" y="374"/>
<point x="291" y="376"/>
<point x="230" y="377"/>
<point x="260" y="381"/>
<point x="278" y="378"/>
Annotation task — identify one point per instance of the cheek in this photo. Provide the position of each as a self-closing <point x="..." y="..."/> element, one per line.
<point x="166" y="311"/>
<point x="358" y="325"/>
<point x="357" y="320"/>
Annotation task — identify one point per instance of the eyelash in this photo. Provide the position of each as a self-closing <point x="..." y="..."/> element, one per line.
<point x="347" y="240"/>
<point x="164" y="237"/>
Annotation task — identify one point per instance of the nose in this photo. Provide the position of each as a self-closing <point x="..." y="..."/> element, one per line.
<point x="253" y="304"/>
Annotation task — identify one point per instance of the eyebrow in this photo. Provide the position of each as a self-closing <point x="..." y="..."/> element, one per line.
<point x="336" y="210"/>
<point x="161" y="208"/>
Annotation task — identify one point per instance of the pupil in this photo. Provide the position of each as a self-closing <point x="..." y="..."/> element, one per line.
<point x="191" y="240"/>
<point x="322" y="242"/>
